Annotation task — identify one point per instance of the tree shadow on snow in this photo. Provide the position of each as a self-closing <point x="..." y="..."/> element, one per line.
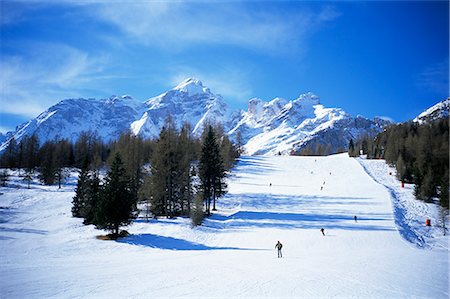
<point x="244" y="219"/>
<point x="253" y="165"/>
<point x="23" y="230"/>
<point x="161" y="242"/>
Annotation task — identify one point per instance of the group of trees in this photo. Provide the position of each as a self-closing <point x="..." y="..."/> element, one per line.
<point x="109" y="205"/>
<point x="167" y="188"/>
<point x="52" y="159"/>
<point x="184" y="170"/>
<point x="174" y="175"/>
<point x="420" y="153"/>
<point x="318" y="149"/>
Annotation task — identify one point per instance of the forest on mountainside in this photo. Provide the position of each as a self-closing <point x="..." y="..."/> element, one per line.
<point x="420" y="153"/>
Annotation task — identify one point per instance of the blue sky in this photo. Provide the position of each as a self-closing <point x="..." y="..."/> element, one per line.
<point x="374" y="58"/>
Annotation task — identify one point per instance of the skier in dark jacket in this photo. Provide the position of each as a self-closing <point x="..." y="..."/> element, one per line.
<point x="279" y="246"/>
<point x="323" y="231"/>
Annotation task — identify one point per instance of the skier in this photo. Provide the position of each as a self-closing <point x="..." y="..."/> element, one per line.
<point x="321" y="188"/>
<point x="323" y="231"/>
<point x="270" y="184"/>
<point x="356" y="218"/>
<point x="279" y="246"/>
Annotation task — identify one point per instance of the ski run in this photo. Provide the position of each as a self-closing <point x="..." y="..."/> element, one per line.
<point x="388" y="252"/>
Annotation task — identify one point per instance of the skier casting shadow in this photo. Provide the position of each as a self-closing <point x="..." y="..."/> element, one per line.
<point x="279" y="246"/>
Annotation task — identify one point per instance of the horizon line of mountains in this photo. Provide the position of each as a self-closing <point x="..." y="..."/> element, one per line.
<point x="276" y="127"/>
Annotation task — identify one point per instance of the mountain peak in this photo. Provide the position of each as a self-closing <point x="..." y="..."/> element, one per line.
<point x="192" y="86"/>
<point x="308" y="98"/>
<point x="440" y="110"/>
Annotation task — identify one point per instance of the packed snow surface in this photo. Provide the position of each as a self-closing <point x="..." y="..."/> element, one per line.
<point x="45" y="253"/>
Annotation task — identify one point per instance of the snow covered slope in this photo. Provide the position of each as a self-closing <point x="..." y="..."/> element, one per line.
<point x="47" y="253"/>
<point x="282" y="126"/>
<point x="189" y="102"/>
<point x="440" y="110"/>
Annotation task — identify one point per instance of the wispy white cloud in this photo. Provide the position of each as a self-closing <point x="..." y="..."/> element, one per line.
<point x="176" y="25"/>
<point x="43" y="75"/>
<point x="435" y="78"/>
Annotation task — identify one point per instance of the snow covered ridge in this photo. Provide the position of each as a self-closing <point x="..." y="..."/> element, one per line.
<point x="190" y="102"/>
<point x="279" y="125"/>
<point x="440" y="110"/>
<point x="282" y="126"/>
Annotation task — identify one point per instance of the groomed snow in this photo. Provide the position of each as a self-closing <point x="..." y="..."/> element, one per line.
<point x="47" y="253"/>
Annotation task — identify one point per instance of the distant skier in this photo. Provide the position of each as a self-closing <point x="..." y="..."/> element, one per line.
<point x="279" y="246"/>
<point x="270" y="184"/>
<point x="321" y="188"/>
<point x="356" y="218"/>
<point x="323" y="231"/>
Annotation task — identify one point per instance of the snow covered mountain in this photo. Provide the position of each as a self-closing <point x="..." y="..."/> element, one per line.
<point x="440" y="110"/>
<point x="189" y="102"/>
<point x="67" y="119"/>
<point x="282" y="126"/>
<point x="266" y="127"/>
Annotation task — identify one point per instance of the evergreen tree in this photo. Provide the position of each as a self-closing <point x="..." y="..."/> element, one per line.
<point x="211" y="170"/>
<point x="401" y="168"/>
<point x="81" y="191"/>
<point x="239" y="143"/>
<point x="63" y="159"/>
<point x="167" y="174"/>
<point x="131" y="150"/>
<point x="351" y="149"/>
<point x="186" y="150"/>
<point x="86" y="194"/>
<point x="444" y="189"/>
<point x="10" y="157"/>
<point x="29" y="154"/>
<point x="92" y="198"/>
<point x="89" y="145"/>
<point x="47" y="167"/>
<point x="116" y="206"/>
